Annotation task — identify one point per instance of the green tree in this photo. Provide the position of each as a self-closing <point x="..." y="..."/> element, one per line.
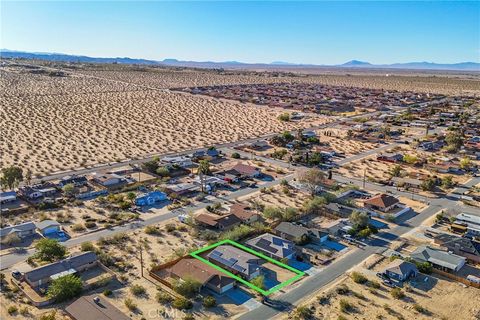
<point x="204" y="167"/>
<point x="284" y="116"/>
<point x="187" y="287"/>
<point x="152" y="165"/>
<point x="447" y="182"/>
<point x="131" y="196"/>
<point x="258" y="281"/>
<point x="428" y="184"/>
<point x="454" y="140"/>
<point x="312" y="179"/>
<point x="69" y="189"/>
<point x="396" y="171"/>
<point x="65" y="288"/>
<point x="359" y="220"/>
<point x="11" y="177"/>
<point x="410" y="159"/>
<point x="465" y="163"/>
<point x="209" y="302"/>
<point x="182" y="304"/>
<point x="162" y="171"/>
<point x="49" y="250"/>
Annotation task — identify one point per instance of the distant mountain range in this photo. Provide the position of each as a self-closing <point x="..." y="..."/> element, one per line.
<point x="462" y="66"/>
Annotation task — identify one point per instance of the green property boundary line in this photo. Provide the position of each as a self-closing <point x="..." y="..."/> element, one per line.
<point x="298" y="273"/>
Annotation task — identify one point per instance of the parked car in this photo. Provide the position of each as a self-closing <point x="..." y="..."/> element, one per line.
<point x="16" y="274"/>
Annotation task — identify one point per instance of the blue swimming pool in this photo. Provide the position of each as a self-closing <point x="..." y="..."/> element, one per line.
<point x="334" y="245"/>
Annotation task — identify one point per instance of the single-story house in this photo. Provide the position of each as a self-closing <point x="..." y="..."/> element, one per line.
<point x="245" y="171"/>
<point x="461" y="246"/>
<point x="30" y="193"/>
<point x="439" y="259"/>
<point x="309" y="134"/>
<point x="236" y="261"/>
<point x="181" y="161"/>
<point x="407" y="183"/>
<point x="150" y="198"/>
<point x="390" y="157"/>
<point x="22" y="230"/>
<point x="206" y="275"/>
<point x="77" y="181"/>
<point x="224" y="222"/>
<point x="182" y="188"/>
<point x="382" y="202"/>
<point x="108" y="180"/>
<point x="299" y="234"/>
<point x="339" y="209"/>
<point x="259" y="144"/>
<point x="94" y="307"/>
<point x="48" y="226"/>
<point x="273" y="246"/>
<point x="443" y="167"/>
<point x="212" y="153"/>
<point x="468" y="219"/>
<point x="336" y="227"/>
<point x="71" y="265"/>
<point x="8" y="196"/>
<point x="401" y="270"/>
<point x="244" y="213"/>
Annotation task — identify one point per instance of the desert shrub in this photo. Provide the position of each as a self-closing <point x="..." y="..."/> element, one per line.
<point x="357" y="277"/>
<point x="188" y="287"/>
<point x="87" y="246"/>
<point x="12" y="310"/>
<point x="373" y="284"/>
<point x="188" y="316"/>
<point x="182" y="304"/>
<point x="163" y="297"/>
<point x="132" y="306"/>
<point x="397" y="293"/>
<point x="78" y="227"/>
<point x="137" y="290"/>
<point x="419" y="308"/>
<point x="152" y="230"/>
<point x="48" y="316"/>
<point x="90" y="224"/>
<point x="209" y="302"/>
<point x="304" y="312"/>
<point x="170" y="227"/>
<point x="107" y="292"/>
<point x="24" y="311"/>
<point x="235" y="155"/>
<point x="284" y="116"/>
<point x="345" y="306"/>
<point x="343" y="290"/>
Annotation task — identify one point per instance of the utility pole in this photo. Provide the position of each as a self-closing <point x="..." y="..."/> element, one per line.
<point x="364" y="176"/>
<point x="141" y="259"/>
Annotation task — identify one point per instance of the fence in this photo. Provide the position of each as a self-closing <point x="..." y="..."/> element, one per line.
<point x="457" y="278"/>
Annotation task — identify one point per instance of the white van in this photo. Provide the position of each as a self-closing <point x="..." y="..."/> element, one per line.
<point x="473" y="279"/>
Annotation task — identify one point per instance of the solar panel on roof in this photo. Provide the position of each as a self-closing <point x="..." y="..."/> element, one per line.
<point x="265" y="244"/>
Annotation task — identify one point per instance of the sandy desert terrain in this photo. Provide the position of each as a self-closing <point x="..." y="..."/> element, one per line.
<point x="73" y="123"/>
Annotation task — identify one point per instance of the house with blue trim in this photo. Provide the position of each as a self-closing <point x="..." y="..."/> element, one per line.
<point x="150" y="198"/>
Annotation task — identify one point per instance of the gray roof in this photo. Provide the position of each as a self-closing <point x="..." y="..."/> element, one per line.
<point x="399" y="266"/>
<point x="298" y="231"/>
<point x="46" y="223"/>
<point x="26" y="226"/>
<point x="437" y="257"/>
<point x="236" y="259"/>
<point x="73" y="262"/>
<point x="452" y="242"/>
<point x="291" y="229"/>
<point x="274" y="245"/>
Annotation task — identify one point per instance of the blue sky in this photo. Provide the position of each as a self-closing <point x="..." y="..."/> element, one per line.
<point x="300" y="32"/>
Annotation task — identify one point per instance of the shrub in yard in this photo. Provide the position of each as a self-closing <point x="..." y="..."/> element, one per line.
<point x="343" y="289"/>
<point x="163" y="297"/>
<point x="188" y="316"/>
<point x="49" y="250"/>
<point x="209" y="302"/>
<point x="235" y="155"/>
<point x="90" y="224"/>
<point x="304" y="312"/>
<point x="182" y="304"/>
<point x="188" y="287"/>
<point x="419" y="308"/>
<point x="345" y="306"/>
<point x="137" y="290"/>
<point x="152" y="230"/>
<point x="373" y="284"/>
<point x="87" y="246"/>
<point x="357" y="277"/>
<point x="78" y="227"/>
<point x="107" y="292"/>
<point x="12" y="310"/>
<point x="130" y="304"/>
<point x="48" y="316"/>
<point x="397" y="293"/>
<point x="170" y="227"/>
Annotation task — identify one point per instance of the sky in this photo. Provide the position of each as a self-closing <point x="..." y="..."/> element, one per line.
<point x="262" y="32"/>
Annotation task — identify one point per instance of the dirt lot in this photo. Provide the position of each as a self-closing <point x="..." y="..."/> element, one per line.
<point x="441" y="299"/>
